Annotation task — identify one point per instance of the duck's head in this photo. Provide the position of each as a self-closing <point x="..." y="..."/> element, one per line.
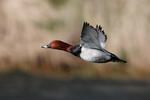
<point x="60" y="45"/>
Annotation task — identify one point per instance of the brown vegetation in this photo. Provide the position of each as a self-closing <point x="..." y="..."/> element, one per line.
<point x="28" y="24"/>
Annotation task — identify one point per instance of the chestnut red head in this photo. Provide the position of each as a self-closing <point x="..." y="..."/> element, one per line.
<point x="60" y="45"/>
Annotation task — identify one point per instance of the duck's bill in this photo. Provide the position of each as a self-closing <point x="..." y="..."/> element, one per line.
<point x="46" y="46"/>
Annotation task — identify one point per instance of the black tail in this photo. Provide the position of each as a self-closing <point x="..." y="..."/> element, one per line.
<point x="116" y="59"/>
<point x="120" y="60"/>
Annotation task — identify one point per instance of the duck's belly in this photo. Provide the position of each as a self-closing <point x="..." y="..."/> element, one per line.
<point x="93" y="55"/>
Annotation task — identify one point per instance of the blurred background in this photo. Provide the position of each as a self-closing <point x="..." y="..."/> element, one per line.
<point x="29" y="72"/>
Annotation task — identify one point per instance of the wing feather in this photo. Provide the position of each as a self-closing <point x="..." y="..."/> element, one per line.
<point x="93" y="37"/>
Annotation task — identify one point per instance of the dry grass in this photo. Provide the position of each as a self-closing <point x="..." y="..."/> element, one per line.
<point x="28" y="24"/>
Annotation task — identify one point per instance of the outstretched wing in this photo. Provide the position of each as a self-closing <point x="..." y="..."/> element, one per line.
<point x="93" y="37"/>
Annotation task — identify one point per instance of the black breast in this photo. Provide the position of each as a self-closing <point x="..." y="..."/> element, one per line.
<point x="76" y="50"/>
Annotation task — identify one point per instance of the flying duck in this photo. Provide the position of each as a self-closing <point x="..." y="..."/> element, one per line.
<point x="91" y="48"/>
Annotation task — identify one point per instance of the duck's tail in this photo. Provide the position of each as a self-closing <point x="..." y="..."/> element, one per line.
<point x="116" y="59"/>
<point x="120" y="60"/>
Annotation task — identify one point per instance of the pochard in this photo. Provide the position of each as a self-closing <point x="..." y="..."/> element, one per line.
<point x="91" y="48"/>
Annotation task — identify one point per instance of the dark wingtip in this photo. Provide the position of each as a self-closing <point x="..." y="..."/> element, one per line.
<point x="85" y="24"/>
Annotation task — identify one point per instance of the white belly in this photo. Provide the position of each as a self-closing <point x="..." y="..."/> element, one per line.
<point x="93" y="55"/>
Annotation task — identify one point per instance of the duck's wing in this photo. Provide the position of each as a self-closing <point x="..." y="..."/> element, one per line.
<point x="93" y="37"/>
